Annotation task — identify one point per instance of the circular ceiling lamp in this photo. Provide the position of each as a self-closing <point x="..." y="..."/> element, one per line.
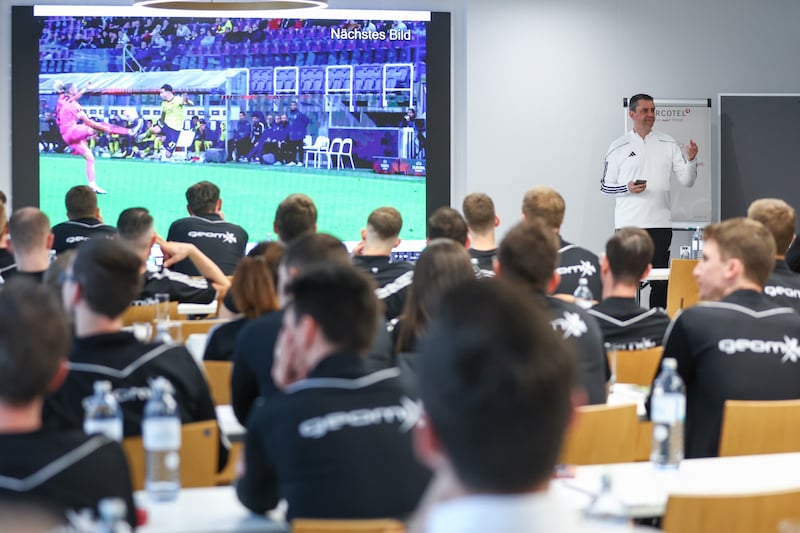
<point x="232" y="5"/>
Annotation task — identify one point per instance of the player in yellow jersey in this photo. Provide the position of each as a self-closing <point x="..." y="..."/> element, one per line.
<point x="171" y="122"/>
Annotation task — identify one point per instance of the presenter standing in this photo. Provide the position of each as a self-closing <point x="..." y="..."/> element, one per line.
<point x="637" y="172"/>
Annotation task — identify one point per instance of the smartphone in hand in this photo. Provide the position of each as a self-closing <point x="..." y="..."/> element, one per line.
<point x="639" y="182"/>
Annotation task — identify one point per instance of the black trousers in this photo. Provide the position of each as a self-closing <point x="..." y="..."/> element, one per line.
<point x="662" y="238"/>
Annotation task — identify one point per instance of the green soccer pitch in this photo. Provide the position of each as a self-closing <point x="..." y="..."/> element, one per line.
<point x="250" y="193"/>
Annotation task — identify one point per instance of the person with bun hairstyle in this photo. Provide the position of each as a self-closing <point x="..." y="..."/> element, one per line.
<point x="76" y="127"/>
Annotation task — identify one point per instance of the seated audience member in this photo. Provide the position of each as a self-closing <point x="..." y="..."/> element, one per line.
<point x="374" y="256"/>
<point x="254" y="291"/>
<point x="528" y="256"/>
<point x="735" y="344"/>
<point x="783" y="285"/>
<point x="574" y="262"/>
<point x="206" y="228"/>
<point x="59" y="470"/>
<point x="83" y="220"/>
<point x="30" y="241"/>
<point x="492" y="472"/>
<point x="448" y="223"/>
<point x="625" y="324"/>
<point x="296" y="215"/>
<point x="6" y="257"/>
<point x="328" y="470"/>
<point x="99" y="285"/>
<point x="481" y="221"/>
<point x="442" y="264"/>
<point x="255" y="344"/>
<point x="135" y="229"/>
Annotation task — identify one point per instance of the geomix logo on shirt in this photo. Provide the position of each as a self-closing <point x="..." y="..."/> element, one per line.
<point x="778" y="290"/>
<point x="570" y="324"/>
<point x="407" y="414"/>
<point x="585" y="269"/>
<point x="789" y="347"/>
<point x="226" y="237"/>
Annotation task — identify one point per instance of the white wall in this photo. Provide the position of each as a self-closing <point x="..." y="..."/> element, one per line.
<point x="538" y="85"/>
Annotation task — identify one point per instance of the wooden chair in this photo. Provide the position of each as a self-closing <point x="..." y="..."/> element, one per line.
<point x="306" y="525"/>
<point x="682" y="289"/>
<point x="189" y="327"/>
<point x="601" y="434"/>
<point x="741" y="513"/>
<point x="199" y="450"/>
<point x="636" y="366"/>
<point x="218" y="375"/>
<point x="146" y="313"/>
<point x="755" y="427"/>
<point x="228" y="474"/>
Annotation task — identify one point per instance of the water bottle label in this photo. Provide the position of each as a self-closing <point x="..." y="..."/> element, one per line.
<point x="161" y="434"/>
<point x="111" y="428"/>
<point x="668" y="408"/>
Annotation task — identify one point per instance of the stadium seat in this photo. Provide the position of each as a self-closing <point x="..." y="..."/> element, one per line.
<point x="317" y="150"/>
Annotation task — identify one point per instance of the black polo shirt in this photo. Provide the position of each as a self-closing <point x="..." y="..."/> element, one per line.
<point x="71" y="233"/>
<point x="223" y="242"/>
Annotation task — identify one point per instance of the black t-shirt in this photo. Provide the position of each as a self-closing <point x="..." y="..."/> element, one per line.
<point x="783" y="286"/>
<point x="626" y="324"/>
<point x="6" y="259"/>
<point x="484" y="258"/>
<point x="581" y="330"/>
<point x="71" y="233"/>
<point x="743" y="347"/>
<point x="222" y="340"/>
<point x="180" y="287"/>
<point x="64" y="470"/>
<point x="223" y="242"/>
<point x="128" y="364"/>
<point x="575" y="263"/>
<point x="393" y="279"/>
<point x="336" y="445"/>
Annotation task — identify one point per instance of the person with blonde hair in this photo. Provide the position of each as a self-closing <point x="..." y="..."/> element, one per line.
<point x="76" y="127"/>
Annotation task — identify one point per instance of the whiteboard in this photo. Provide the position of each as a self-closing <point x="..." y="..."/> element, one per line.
<point x="684" y="120"/>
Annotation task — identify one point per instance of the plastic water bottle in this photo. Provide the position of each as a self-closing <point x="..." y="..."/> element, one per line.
<point x="113" y="513"/>
<point x="697" y="243"/>
<point x="101" y="412"/>
<point x="606" y="507"/>
<point x="583" y="295"/>
<point x="161" y="434"/>
<point x="668" y="411"/>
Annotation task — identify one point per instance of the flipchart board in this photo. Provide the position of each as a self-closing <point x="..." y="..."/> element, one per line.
<point x="684" y="120"/>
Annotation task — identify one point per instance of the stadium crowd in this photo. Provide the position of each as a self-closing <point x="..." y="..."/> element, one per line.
<point x="483" y="332"/>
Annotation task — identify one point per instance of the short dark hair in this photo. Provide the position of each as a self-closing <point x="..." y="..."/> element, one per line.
<point x="447" y="223"/>
<point x="202" y="197"/>
<point x="109" y="275"/>
<point x="295" y="215"/>
<point x="628" y="252"/>
<point x="633" y="103"/>
<point x="81" y="202"/>
<point x="313" y="248"/>
<point x="133" y="223"/>
<point x="545" y="203"/>
<point x="34" y="339"/>
<point x="341" y="300"/>
<point x="28" y="229"/>
<point x="529" y="254"/>
<point x="496" y="382"/>
<point x="779" y="218"/>
<point x="479" y="212"/>
<point x="386" y="222"/>
<point x="167" y="87"/>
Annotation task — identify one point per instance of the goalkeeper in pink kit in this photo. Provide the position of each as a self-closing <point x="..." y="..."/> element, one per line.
<point x="76" y="127"/>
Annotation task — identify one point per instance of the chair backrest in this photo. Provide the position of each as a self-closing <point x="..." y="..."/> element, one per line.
<point x="199" y="451"/>
<point x="218" y="375"/>
<point x="601" y="434"/>
<point x="636" y="366"/>
<point x="682" y="289"/>
<point x="306" y="525"/>
<point x="347" y="146"/>
<point x="189" y="327"/>
<point x="146" y="313"/>
<point x="755" y="427"/>
<point x="335" y="146"/>
<point x="741" y="513"/>
<point x="322" y="143"/>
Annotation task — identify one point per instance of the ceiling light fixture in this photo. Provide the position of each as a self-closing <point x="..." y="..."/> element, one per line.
<point x="232" y="5"/>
